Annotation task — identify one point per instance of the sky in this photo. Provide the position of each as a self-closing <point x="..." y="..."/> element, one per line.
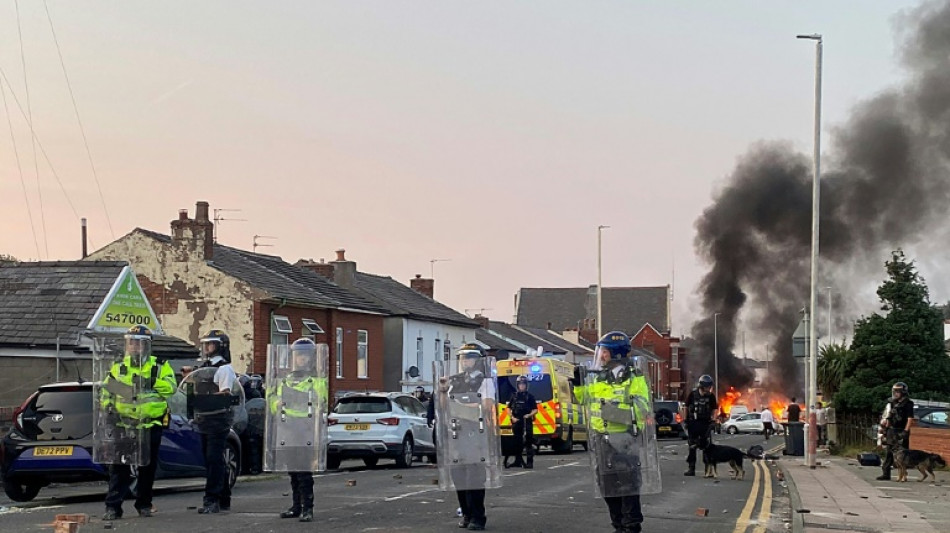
<point x="496" y="136"/>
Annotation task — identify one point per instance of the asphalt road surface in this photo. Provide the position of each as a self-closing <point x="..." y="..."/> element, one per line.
<point x="557" y="496"/>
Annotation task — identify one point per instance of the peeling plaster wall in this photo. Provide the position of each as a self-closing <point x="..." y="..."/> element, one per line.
<point x="189" y="296"/>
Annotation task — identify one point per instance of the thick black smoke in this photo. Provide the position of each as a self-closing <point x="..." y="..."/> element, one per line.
<point x="886" y="183"/>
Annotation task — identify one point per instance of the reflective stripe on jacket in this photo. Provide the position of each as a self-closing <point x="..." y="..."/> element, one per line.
<point x="631" y="395"/>
<point x="303" y="387"/>
<point x="148" y="404"/>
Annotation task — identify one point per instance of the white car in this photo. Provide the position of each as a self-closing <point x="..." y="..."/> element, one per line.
<point x="749" y="423"/>
<point x="373" y="425"/>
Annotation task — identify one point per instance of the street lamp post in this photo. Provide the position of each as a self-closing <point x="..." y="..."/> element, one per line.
<point x="716" y="351"/>
<point x="600" y="299"/>
<point x="831" y="339"/>
<point x="812" y="441"/>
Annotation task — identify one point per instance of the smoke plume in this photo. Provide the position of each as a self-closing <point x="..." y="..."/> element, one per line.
<point x="884" y="184"/>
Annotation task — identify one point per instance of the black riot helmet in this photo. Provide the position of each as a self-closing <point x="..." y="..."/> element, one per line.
<point x="522" y="380"/>
<point x="705" y="381"/>
<point x="901" y="387"/>
<point x="216" y="342"/>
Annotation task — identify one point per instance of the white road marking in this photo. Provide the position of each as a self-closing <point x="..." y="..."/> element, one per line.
<point x="575" y="463"/>
<point x="406" y="495"/>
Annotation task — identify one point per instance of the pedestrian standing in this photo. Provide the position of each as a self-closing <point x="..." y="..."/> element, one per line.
<point x="794" y="411"/>
<point x="153" y="380"/>
<point x="701" y="406"/>
<point x="821" y="422"/>
<point x="767" y="423"/>
<point x="897" y="426"/>
<point x="523" y="407"/>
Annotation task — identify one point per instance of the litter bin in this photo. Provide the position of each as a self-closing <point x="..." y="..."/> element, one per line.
<point x="794" y="438"/>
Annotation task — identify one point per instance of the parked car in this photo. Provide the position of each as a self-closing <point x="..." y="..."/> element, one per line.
<point x="51" y="442"/>
<point x="934" y="418"/>
<point x="749" y="423"/>
<point x="669" y="419"/>
<point x="374" y="425"/>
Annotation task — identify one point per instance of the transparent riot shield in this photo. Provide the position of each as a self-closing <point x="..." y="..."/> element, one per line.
<point x="295" y="434"/>
<point x="621" y="430"/>
<point x="466" y="412"/>
<point x="116" y="436"/>
<point x="211" y="409"/>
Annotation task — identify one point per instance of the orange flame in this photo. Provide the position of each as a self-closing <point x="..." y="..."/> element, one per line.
<point x="729" y="399"/>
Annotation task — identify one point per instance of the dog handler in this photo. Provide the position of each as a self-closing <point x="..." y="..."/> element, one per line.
<point x="701" y="407"/>
<point x="897" y="424"/>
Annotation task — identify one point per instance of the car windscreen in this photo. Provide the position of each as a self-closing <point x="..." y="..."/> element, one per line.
<point x="539" y="385"/>
<point x="60" y="414"/>
<point x="672" y="407"/>
<point x="355" y="406"/>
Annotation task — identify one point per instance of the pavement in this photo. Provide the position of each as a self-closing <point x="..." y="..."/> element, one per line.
<point x="841" y="495"/>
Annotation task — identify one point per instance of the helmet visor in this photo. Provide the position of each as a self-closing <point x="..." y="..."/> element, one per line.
<point x="138" y="346"/>
<point x="303" y="359"/>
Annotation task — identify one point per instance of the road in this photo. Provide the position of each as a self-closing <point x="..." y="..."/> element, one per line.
<point x="557" y="496"/>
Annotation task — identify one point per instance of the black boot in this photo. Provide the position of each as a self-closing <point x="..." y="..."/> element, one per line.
<point x="307" y="515"/>
<point x="293" y="512"/>
<point x="209" y="508"/>
<point x="886" y="476"/>
<point x="691" y="471"/>
<point x="464" y="522"/>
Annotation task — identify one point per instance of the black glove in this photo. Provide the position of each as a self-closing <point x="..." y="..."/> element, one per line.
<point x="580" y="373"/>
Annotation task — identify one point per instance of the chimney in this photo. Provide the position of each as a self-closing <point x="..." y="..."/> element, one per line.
<point x="321" y="269"/>
<point x="344" y="272"/>
<point x="85" y="250"/>
<point x="423" y="286"/>
<point x="196" y="236"/>
<point x="482" y="321"/>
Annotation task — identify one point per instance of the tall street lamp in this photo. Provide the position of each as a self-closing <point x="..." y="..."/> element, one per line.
<point x="716" y="350"/>
<point x="600" y="299"/>
<point x="811" y="437"/>
<point x="831" y="339"/>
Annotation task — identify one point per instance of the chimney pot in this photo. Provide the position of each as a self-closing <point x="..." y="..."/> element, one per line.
<point x="341" y="255"/>
<point x="418" y="276"/>
<point x="182" y="214"/>
<point x="201" y="211"/>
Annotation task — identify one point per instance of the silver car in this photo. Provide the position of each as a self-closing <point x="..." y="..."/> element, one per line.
<point x="749" y="423"/>
<point x="373" y="425"/>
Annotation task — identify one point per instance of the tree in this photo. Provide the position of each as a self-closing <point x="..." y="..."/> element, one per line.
<point x="905" y="345"/>
<point x="831" y="368"/>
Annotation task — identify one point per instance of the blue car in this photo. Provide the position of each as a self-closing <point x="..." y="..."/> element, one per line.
<point x="51" y="442"/>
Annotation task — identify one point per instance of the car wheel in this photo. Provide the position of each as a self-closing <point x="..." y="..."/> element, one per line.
<point x="333" y="462"/>
<point x="405" y="457"/>
<point x="232" y="461"/>
<point x="433" y="459"/>
<point x="21" y="492"/>
<point x="732" y="430"/>
<point x="371" y="461"/>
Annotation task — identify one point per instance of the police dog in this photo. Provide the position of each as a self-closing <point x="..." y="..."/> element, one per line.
<point x="923" y="461"/>
<point x="713" y="454"/>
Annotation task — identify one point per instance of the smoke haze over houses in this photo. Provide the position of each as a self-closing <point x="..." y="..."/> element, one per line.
<point x="885" y="184"/>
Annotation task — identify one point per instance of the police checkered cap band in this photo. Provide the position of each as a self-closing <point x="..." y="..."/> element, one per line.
<point x="468" y="354"/>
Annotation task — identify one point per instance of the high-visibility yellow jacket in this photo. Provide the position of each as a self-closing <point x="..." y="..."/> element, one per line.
<point x="601" y="394"/>
<point x="137" y="394"/>
<point x="292" y="392"/>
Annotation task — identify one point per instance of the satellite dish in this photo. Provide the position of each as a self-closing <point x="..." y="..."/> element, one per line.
<point x="413" y="372"/>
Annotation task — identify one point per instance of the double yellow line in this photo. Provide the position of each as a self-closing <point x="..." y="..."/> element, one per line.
<point x="745" y="518"/>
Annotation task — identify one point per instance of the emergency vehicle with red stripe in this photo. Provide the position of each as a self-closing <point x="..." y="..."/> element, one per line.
<point x="560" y="420"/>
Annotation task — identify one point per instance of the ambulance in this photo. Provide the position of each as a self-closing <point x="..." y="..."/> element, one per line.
<point x="560" y="420"/>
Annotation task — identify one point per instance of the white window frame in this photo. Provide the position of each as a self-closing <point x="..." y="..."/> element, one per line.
<point x="362" y="354"/>
<point x="339" y="352"/>
<point x="675" y="359"/>
<point x="419" y="353"/>
<point x="310" y="327"/>
<point x="281" y="324"/>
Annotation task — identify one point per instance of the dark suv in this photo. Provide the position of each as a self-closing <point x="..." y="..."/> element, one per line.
<point x="669" y="419"/>
<point x="51" y="442"/>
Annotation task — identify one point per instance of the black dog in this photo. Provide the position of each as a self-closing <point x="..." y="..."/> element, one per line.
<point x="923" y="461"/>
<point x="713" y="454"/>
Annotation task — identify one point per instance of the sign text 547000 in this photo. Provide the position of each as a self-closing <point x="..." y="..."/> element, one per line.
<point x="128" y="318"/>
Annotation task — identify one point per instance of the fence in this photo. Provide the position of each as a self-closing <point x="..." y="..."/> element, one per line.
<point x="856" y="430"/>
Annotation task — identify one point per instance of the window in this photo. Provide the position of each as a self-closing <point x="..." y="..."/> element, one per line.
<point x="419" y="354"/>
<point x="674" y="358"/>
<point x="438" y="347"/>
<point x="280" y="330"/>
<point x="362" y="354"/>
<point x="310" y="327"/>
<point x="339" y="352"/>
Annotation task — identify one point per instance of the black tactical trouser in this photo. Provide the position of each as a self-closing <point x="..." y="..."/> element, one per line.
<point x="217" y="479"/>
<point x="524" y="433"/>
<point x="120" y="477"/>
<point x="894" y="440"/>
<point x="471" y="501"/>
<point x="301" y="483"/>
<point x="699" y="437"/>
<point x="625" y="513"/>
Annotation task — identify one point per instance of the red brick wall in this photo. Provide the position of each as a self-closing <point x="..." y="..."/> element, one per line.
<point x="930" y="440"/>
<point x="162" y="300"/>
<point x="329" y="320"/>
<point x="660" y="344"/>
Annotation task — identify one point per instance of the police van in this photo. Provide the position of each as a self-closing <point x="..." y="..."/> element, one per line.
<point x="560" y="421"/>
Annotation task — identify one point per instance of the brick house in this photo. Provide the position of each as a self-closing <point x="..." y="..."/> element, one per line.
<point x="667" y="375"/>
<point x="418" y="329"/>
<point x="196" y="285"/>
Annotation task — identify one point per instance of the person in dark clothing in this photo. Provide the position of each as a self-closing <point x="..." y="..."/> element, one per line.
<point x="701" y="408"/>
<point x="794" y="411"/>
<point x="523" y="406"/>
<point x="897" y="426"/>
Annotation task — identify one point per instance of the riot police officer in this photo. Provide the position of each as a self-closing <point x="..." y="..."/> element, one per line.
<point x="523" y="406"/>
<point x="299" y="398"/>
<point x="153" y="381"/>
<point x="215" y="426"/>
<point x="897" y="426"/>
<point x="616" y="396"/>
<point x="467" y="415"/>
<point x="701" y="407"/>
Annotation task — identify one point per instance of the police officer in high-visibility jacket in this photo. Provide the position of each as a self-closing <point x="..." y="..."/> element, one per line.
<point x="297" y="399"/>
<point x="623" y="443"/>
<point x="153" y="380"/>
